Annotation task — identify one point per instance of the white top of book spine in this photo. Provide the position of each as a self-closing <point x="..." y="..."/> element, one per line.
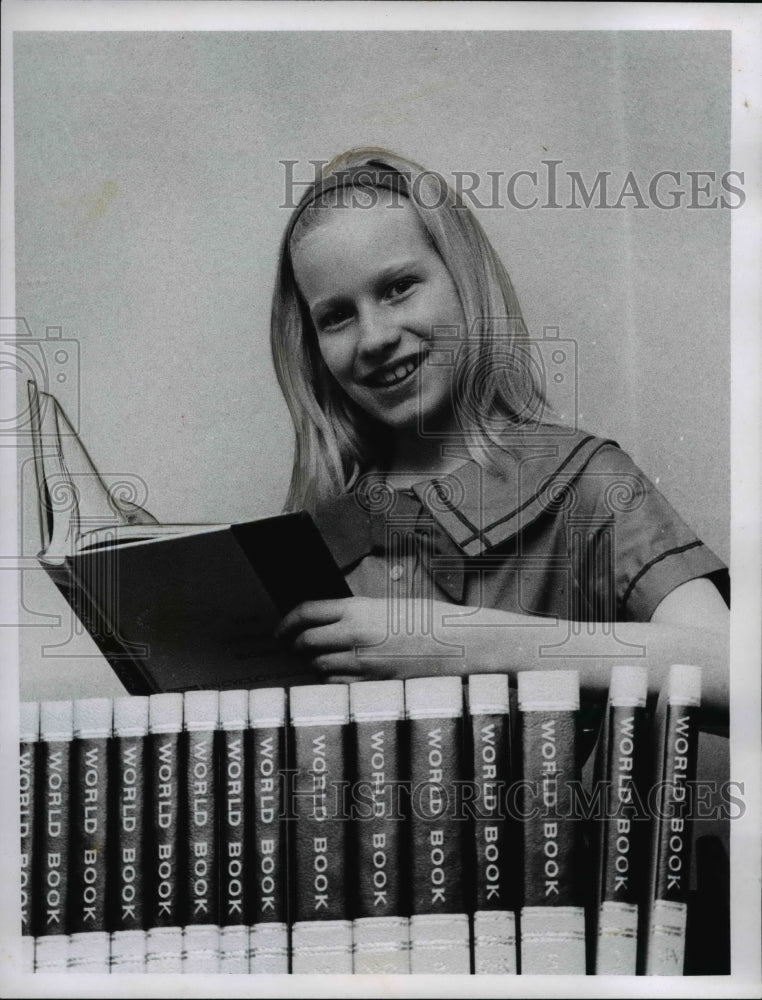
<point x="29" y="721"/>
<point x="320" y="705"/>
<point x="234" y="709"/>
<point x="434" y="697"/>
<point x="92" y="717"/>
<point x="165" y="713"/>
<point x="548" y="690"/>
<point x="684" y="684"/>
<point x="267" y="708"/>
<point x="201" y="711"/>
<point x="488" y="694"/>
<point x="628" y="686"/>
<point x="131" y="715"/>
<point x="57" y="720"/>
<point x="376" y="700"/>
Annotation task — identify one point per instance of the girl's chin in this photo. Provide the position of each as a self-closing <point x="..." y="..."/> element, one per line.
<point x="434" y="424"/>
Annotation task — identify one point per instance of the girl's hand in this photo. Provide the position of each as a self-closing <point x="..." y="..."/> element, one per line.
<point x="372" y="638"/>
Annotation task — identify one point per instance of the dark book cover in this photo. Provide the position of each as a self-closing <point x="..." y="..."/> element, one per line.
<point x="171" y="605"/>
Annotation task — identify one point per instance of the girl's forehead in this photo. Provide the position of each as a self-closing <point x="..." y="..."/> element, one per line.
<point x="369" y="230"/>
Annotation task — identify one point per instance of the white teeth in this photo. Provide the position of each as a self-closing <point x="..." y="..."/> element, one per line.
<point x="397" y="374"/>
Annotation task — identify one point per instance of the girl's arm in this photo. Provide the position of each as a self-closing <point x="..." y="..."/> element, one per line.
<point x="373" y="638"/>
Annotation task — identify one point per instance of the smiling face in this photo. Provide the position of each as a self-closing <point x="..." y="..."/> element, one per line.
<point x="376" y="289"/>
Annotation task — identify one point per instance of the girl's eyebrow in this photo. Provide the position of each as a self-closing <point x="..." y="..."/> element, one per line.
<point x="388" y="273"/>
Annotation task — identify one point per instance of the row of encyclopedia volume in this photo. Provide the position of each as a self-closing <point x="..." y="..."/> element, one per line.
<point x="424" y="826"/>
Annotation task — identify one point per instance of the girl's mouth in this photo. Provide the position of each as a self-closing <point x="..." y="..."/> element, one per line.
<point x="394" y="375"/>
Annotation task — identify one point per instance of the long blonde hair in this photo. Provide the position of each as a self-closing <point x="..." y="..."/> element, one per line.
<point x="494" y="385"/>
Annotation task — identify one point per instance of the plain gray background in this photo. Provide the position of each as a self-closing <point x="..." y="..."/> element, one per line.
<point x="148" y="187"/>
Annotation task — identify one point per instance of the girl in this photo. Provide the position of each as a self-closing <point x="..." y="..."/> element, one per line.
<point x="426" y="453"/>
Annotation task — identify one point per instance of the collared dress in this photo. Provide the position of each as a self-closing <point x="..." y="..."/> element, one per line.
<point x="561" y="524"/>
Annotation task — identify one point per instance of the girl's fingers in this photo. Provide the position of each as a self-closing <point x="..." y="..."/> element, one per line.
<point x="329" y="665"/>
<point x="338" y="666"/>
<point x="324" y="639"/>
<point x="310" y="613"/>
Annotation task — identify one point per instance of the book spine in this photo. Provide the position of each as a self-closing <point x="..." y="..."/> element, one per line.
<point x="495" y="904"/>
<point x="268" y="857"/>
<point x="439" y="925"/>
<point x="29" y="732"/>
<point x="621" y="869"/>
<point x="130" y="798"/>
<point x="552" y="916"/>
<point x="322" y="930"/>
<point x="234" y="813"/>
<point x="667" y="911"/>
<point x="165" y="909"/>
<point x="201" y="945"/>
<point x="50" y="912"/>
<point x="89" y="948"/>
<point x="381" y="933"/>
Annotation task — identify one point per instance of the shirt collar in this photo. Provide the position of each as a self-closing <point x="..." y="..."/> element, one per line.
<point x="480" y="507"/>
<point x="476" y="507"/>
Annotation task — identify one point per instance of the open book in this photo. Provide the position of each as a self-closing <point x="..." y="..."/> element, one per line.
<point x="172" y="606"/>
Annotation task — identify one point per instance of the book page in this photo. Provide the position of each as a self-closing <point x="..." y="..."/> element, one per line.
<point x="132" y="534"/>
<point x="153" y="154"/>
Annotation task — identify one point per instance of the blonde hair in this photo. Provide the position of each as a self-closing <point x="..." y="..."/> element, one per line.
<point x="494" y="385"/>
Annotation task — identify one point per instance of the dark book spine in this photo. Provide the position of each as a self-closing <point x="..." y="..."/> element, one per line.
<point x="381" y="926"/>
<point x="51" y="898"/>
<point x="622" y="873"/>
<point x="438" y="827"/>
<point x="622" y="828"/>
<point x="268" y="854"/>
<point x="673" y="860"/>
<point x="234" y="832"/>
<point x="379" y="838"/>
<point x="672" y="834"/>
<point x="322" y="930"/>
<point x="201" y="945"/>
<point x="495" y="895"/>
<point x="89" y="950"/>
<point x="165" y="910"/>
<point x="28" y="805"/>
<point x="130" y="800"/>
<point x="552" y="915"/>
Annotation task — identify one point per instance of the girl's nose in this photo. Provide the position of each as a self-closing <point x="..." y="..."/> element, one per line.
<point x="377" y="332"/>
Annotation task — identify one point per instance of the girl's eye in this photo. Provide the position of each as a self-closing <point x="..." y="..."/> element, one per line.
<point x="399" y="287"/>
<point x="332" y="319"/>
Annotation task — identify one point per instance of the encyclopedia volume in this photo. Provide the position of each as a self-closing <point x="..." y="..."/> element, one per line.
<point x="172" y="607"/>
